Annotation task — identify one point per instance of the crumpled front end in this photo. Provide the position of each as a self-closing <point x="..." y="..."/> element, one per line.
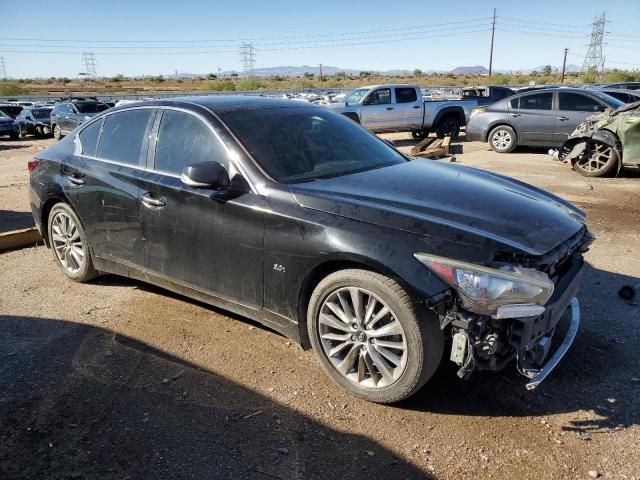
<point x="536" y="336"/>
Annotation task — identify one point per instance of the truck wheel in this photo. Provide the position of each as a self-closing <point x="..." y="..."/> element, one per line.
<point x="598" y="160"/>
<point x="502" y="139"/>
<point x="371" y="337"/>
<point x="14" y="135"/>
<point x="449" y="125"/>
<point x="419" y="134"/>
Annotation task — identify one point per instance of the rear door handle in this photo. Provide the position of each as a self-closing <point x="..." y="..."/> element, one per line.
<point x="562" y="119"/>
<point x="416" y="106"/>
<point x="150" y="201"/>
<point x="389" y="108"/>
<point x="515" y="115"/>
<point x="74" y="180"/>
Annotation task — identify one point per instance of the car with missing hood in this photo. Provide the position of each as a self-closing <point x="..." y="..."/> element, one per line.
<point x="298" y="218"/>
<point x="604" y="144"/>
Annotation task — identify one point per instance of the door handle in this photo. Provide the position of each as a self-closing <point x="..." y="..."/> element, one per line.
<point x="74" y="180"/>
<point x="389" y="108"/>
<point x="515" y="115"/>
<point x="562" y="119"/>
<point x="150" y="201"/>
<point x="416" y="106"/>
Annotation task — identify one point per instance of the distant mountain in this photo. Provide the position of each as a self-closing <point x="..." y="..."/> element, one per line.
<point x="477" y="70"/>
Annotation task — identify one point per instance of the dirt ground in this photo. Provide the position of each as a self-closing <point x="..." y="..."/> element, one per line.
<point x="119" y="379"/>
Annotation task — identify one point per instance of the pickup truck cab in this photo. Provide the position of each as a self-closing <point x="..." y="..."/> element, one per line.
<point x="402" y="108"/>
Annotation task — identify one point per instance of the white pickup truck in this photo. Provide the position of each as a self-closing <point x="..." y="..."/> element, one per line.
<point x="401" y="108"/>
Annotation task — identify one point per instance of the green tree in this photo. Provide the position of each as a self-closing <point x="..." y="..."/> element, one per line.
<point x="546" y="70"/>
<point x="417" y="72"/>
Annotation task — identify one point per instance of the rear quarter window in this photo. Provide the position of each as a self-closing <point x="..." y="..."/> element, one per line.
<point x="123" y="136"/>
<point x="89" y="138"/>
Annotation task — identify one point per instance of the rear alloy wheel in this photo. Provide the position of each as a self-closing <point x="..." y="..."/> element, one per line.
<point x="57" y="133"/>
<point x="502" y="139"/>
<point x="371" y="338"/>
<point x="597" y="160"/>
<point x="69" y="244"/>
<point x="449" y="126"/>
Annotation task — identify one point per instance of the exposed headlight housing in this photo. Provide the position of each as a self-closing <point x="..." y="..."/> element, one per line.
<point x="491" y="291"/>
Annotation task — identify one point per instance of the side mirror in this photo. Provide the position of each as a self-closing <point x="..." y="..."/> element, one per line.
<point x="206" y="175"/>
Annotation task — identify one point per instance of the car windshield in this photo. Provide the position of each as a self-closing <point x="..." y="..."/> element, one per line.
<point x="41" y="113"/>
<point x="356" y="95"/>
<point x="90" y="107"/>
<point x="614" y="103"/>
<point x="303" y="144"/>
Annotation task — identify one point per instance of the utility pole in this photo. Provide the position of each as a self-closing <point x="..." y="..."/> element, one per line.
<point x="89" y="61"/>
<point x="3" y="69"/>
<point x="493" y="31"/>
<point x="594" y="61"/>
<point x="219" y="72"/>
<point x="564" y="65"/>
<point x="320" y="75"/>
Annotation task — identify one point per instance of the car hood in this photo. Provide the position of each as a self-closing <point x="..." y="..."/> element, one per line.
<point x="5" y="120"/>
<point x="458" y="204"/>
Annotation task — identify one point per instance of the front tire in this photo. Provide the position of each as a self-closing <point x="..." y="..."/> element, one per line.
<point x="419" y="134"/>
<point x="597" y="160"/>
<point x="371" y="337"/>
<point x="69" y="244"/>
<point x="502" y="139"/>
<point x="57" y="132"/>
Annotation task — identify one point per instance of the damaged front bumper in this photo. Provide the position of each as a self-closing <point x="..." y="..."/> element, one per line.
<point x="538" y="376"/>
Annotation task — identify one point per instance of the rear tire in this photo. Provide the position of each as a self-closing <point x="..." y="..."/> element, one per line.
<point x="69" y="244"/>
<point x="385" y="359"/>
<point x="14" y="136"/>
<point x="419" y="134"/>
<point x="502" y="139"/>
<point x="598" y="160"/>
<point x="449" y="125"/>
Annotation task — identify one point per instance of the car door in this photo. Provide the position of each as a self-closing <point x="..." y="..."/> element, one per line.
<point x="197" y="237"/>
<point x="21" y="120"/>
<point x="407" y="113"/>
<point x="377" y="110"/>
<point x="65" y="118"/>
<point x="534" y="119"/>
<point x="573" y="109"/>
<point x="102" y="180"/>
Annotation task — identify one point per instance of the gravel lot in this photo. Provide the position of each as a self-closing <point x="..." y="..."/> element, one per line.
<point x="118" y="379"/>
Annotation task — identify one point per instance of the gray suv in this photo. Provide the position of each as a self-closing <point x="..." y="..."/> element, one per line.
<point x="543" y="118"/>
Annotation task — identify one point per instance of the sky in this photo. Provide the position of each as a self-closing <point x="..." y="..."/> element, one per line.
<point x="141" y="37"/>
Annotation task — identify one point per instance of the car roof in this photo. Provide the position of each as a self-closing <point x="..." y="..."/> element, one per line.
<point x="222" y="103"/>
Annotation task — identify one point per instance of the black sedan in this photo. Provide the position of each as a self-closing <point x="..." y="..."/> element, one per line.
<point x="543" y="118"/>
<point x="34" y="121"/>
<point x="300" y="219"/>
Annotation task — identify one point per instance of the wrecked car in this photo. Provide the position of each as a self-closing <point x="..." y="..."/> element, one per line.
<point x="604" y="144"/>
<point x="299" y="218"/>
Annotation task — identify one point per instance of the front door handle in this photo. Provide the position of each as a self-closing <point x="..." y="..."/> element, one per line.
<point x="389" y="108"/>
<point x="74" y="180"/>
<point x="416" y="106"/>
<point x="562" y="119"/>
<point x="150" y="201"/>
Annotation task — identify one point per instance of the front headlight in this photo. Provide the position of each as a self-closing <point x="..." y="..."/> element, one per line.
<point x="490" y="291"/>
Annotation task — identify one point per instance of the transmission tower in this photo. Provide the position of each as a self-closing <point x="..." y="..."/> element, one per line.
<point x="594" y="60"/>
<point x="3" y="69"/>
<point x="248" y="58"/>
<point x="89" y="61"/>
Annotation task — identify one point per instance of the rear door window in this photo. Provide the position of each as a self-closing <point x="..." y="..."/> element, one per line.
<point x="406" y="95"/>
<point x="538" y="101"/>
<point x="184" y="139"/>
<point x="89" y="138"/>
<point x="575" y="102"/>
<point x="123" y="136"/>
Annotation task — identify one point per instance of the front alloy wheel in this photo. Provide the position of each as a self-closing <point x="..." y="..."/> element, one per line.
<point x="597" y="160"/>
<point x="362" y="338"/>
<point x="371" y="337"/>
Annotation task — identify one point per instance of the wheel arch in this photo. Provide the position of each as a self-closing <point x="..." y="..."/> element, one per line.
<point x="45" y="211"/>
<point x="327" y="267"/>
<point x="457" y="111"/>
